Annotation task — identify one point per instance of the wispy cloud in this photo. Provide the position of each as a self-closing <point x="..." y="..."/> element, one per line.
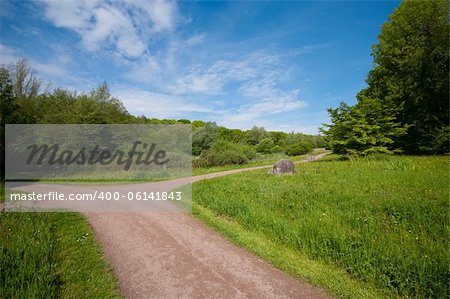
<point x="57" y="70"/>
<point x="9" y="56"/>
<point x="256" y="78"/>
<point x="260" y="108"/>
<point x="162" y="13"/>
<point x="211" y="79"/>
<point x="127" y="26"/>
<point x="154" y="104"/>
<point x="195" y="40"/>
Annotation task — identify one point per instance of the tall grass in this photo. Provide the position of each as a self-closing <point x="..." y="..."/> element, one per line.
<point x="51" y="255"/>
<point x="383" y="220"/>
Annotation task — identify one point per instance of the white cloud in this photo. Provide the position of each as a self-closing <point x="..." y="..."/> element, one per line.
<point x="195" y="40"/>
<point x="212" y="79"/>
<point x="7" y="55"/>
<point x="162" y="13"/>
<point x="127" y="25"/>
<point x="154" y="104"/>
<point x="127" y="28"/>
<point x="75" y="15"/>
<point x="256" y="79"/>
<point x="113" y="26"/>
<point x="263" y="108"/>
<point x="145" y="69"/>
<point x="56" y="71"/>
<point x="48" y="69"/>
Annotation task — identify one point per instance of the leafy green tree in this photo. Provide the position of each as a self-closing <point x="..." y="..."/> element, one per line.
<point x="8" y="109"/>
<point x="293" y="138"/>
<point x="197" y="124"/>
<point x="278" y="138"/>
<point x="300" y="148"/>
<point x="184" y="121"/>
<point x="256" y="134"/>
<point x="232" y="135"/>
<point x="225" y="153"/>
<point x="368" y="127"/>
<point x="24" y="80"/>
<point x="319" y="141"/>
<point x="203" y="137"/>
<point x="411" y="67"/>
<point x="8" y="104"/>
<point x="265" y="146"/>
<point x="101" y="93"/>
<point x="153" y="121"/>
<point x="405" y="105"/>
<point x="277" y="149"/>
<point x="26" y="88"/>
<point x="168" y="121"/>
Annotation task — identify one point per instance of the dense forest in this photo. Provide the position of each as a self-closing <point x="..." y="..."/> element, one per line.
<point x="405" y="106"/>
<point x="26" y="99"/>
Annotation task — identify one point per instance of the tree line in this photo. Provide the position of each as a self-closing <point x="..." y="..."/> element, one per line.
<point x="405" y="106"/>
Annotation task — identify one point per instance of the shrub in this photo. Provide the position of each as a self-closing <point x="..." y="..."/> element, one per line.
<point x="199" y="163"/>
<point x="203" y="137"/>
<point x="265" y="146"/>
<point x="225" y="153"/>
<point x="248" y="151"/>
<point x="300" y="148"/>
<point x="277" y="149"/>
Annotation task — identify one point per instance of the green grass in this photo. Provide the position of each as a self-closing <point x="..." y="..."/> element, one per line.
<point x="52" y="255"/>
<point x="374" y="227"/>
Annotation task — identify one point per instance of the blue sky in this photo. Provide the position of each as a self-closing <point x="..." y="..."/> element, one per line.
<point x="277" y="64"/>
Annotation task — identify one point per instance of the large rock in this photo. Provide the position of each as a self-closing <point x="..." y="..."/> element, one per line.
<point x="283" y="167"/>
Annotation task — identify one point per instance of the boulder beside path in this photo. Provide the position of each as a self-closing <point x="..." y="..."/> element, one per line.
<point x="283" y="167"/>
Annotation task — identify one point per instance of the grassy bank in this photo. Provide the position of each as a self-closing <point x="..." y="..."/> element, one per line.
<point x="371" y="226"/>
<point x="52" y="255"/>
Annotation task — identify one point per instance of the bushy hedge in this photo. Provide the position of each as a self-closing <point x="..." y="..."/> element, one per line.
<point x="300" y="148"/>
<point x="225" y="153"/>
<point x="277" y="149"/>
<point x="265" y="146"/>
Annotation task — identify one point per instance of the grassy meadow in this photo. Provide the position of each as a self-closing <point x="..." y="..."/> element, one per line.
<point x="52" y="255"/>
<point x="369" y="227"/>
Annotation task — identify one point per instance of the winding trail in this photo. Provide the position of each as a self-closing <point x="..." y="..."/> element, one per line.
<point x="174" y="255"/>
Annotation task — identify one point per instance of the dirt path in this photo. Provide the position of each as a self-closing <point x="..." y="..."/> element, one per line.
<point x="176" y="256"/>
<point x="173" y="255"/>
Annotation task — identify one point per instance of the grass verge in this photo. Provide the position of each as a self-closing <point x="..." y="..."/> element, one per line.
<point x="334" y="280"/>
<point x="52" y="255"/>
